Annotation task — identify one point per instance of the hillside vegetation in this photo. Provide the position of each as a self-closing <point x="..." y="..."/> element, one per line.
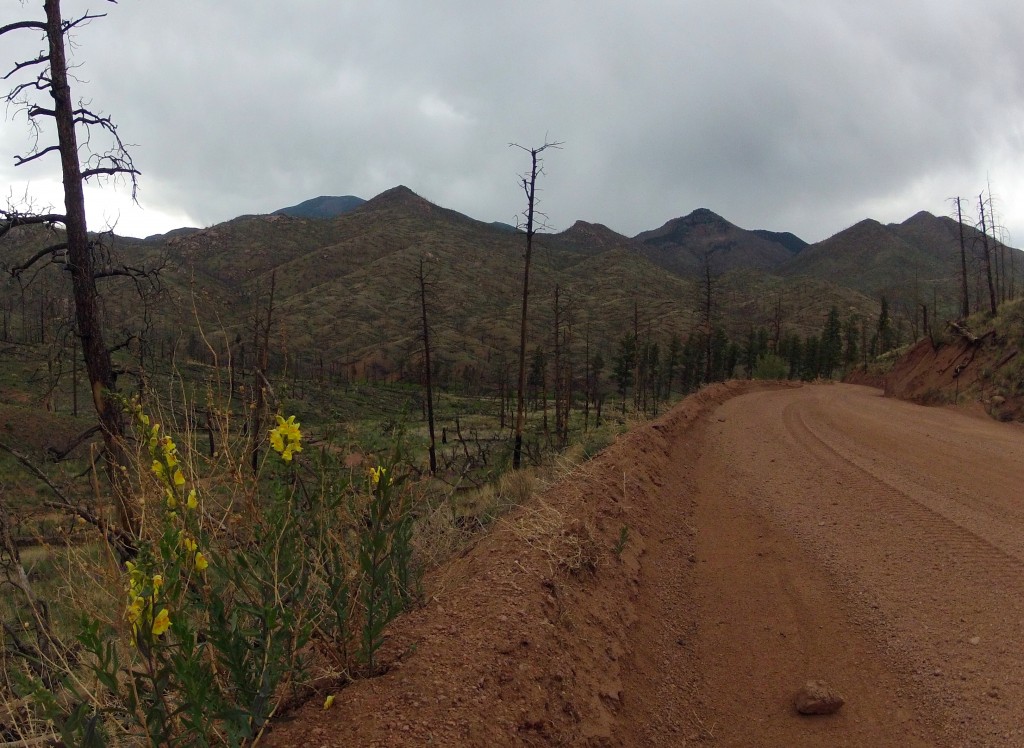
<point x="271" y="370"/>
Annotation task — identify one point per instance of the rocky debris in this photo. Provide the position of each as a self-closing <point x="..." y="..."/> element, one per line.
<point x="817" y="697"/>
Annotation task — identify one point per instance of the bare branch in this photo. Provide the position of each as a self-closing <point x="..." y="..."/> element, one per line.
<point x="122" y="541"/>
<point x="18" y="66"/>
<point x="36" y="472"/>
<point x="38" y="111"/>
<point x="109" y="171"/>
<point x="127" y="271"/>
<point x="41" y="83"/>
<point x="122" y="345"/>
<point x="59" y="454"/>
<point x="17" y="270"/>
<point x="9" y="221"/>
<point x="82" y="20"/>
<point x="19" y="160"/>
<point x="38" y="25"/>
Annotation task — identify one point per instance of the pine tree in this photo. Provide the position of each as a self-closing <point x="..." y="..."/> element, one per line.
<point x="623" y="365"/>
<point x="831" y="349"/>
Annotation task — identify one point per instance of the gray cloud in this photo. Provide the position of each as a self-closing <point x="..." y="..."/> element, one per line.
<point x="784" y="114"/>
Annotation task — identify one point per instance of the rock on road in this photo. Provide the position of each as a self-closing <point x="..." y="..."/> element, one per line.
<point x="839" y="535"/>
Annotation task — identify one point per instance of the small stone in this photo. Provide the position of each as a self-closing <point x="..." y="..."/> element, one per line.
<point x="817" y="697"/>
<point x="975" y="640"/>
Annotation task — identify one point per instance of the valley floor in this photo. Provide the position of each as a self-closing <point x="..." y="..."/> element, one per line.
<point x="681" y="587"/>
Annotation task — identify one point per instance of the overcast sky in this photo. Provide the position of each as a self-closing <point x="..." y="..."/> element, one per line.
<point x="791" y="115"/>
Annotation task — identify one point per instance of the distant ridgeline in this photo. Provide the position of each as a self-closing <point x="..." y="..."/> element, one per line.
<point x="325" y="206"/>
<point x="344" y="302"/>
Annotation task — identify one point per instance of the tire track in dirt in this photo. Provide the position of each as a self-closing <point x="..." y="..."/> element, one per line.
<point x="920" y="538"/>
<point x="949" y="520"/>
<point x="914" y="508"/>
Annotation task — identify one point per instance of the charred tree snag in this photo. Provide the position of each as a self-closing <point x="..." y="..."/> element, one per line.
<point x="47" y="98"/>
<point x="529" y="183"/>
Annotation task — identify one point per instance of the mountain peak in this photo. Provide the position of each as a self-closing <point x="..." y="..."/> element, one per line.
<point x="400" y="192"/>
<point x="922" y="216"/>
<point x="594" y="237"/>
<point x="703" y="215"/>
<point x="701" y="220"/>
<point x="592" y="231"/>
<point x="324" y="206"/>
<point x="400" y="197"/>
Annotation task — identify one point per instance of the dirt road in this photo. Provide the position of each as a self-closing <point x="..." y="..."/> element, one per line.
<point x="774" y="536"/>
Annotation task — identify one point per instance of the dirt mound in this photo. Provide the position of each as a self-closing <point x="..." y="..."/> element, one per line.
<point x="523" y="638"/>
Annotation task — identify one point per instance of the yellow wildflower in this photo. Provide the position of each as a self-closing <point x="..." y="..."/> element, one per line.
<point x="158" y="582"/>
<point x="136" y="580"/>
<point x="286" y="437"/>
<point x="376" y="474"/>
<point x="179" y="479"/>
<point x="201" y="562"/>
<point x="170" y="449"/>
<point x="328" y="702"/>
<point x="162" y="622"/>
<point x="135" y="610"/>
<point x="158" y="470"/>
<point x="172" y="500"/>
<point x="289" y="428"/>
<point x="192" y="503"/>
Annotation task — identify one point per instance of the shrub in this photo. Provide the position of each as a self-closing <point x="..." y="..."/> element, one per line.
<point x="770" y="366"/>
<point x="216" y="618"/>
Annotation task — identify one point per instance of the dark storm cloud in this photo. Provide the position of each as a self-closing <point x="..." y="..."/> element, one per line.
<point x="792" y="115"/>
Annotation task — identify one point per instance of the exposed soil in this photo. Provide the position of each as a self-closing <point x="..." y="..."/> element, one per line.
<point x="775" y="535"/>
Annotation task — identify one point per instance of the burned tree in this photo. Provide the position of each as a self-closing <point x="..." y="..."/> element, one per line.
<point x="47" y="99"/>
<point x="965" y="297"/>
<point x="528" y="180"/>
<point x="987" y="257"/>
<point x="423" y="282"/>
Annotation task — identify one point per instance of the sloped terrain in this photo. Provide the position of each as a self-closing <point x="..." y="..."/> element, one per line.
<point x="980" y="361"/>
<point x="773" y="535"/>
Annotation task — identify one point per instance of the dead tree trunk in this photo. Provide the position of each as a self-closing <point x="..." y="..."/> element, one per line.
<point x="965" y="299"/>
<point x="987" y="256"/>
<point x="422" y="281"/>
<point x="261" y="363"/>
<point x="57" y="104"/>
<point x="529" y="184"/>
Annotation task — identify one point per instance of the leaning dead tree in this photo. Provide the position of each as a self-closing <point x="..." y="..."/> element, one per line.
<point x="46" y="100"/>
<point x="528" y="180"/>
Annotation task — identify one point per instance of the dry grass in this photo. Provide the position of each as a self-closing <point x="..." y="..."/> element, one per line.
<point x="569" y="545"/>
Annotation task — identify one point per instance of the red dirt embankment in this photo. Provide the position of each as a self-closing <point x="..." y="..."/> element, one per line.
<point x="776" y="534"/>
<point x="983" y="369"/>
<point x="524" y="638"/>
